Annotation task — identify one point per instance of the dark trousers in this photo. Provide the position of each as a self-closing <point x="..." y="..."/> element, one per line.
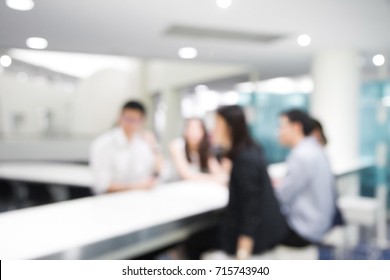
<point x="202" y="241"/>
<point x="293" y="239"/>
<point x="209" y="239"/>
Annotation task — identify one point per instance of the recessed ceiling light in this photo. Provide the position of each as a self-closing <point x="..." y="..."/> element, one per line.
<point x="20" y="5"/>
<point x="5" y="60"/>
<point x="36" y="43"/>
<point x="378" y="60"/>
<point x="303" y="40"/>
<point x="188" y="53"/>
<point x="224" y="4"/>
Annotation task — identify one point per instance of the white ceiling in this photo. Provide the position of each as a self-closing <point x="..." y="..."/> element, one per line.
<point x="137" y="28"/>
<point x="74" y="64"/>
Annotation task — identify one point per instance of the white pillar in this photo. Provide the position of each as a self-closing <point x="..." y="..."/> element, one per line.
<point x="335" y="103"/>
<point x="173" y="117"/>
<point x="143" y="95"/>
<point x="335" y="100"/>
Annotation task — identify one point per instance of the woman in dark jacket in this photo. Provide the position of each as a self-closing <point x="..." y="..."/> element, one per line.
<point x="253" y="222"/>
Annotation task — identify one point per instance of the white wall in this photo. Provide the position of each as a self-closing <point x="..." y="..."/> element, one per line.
<point x="91" y="109"/>
<point x="168" y="77"/>
<point x="94" y="105"/>
<point x="173" y="74"/>
<point x="26" y="98"/>
<point x="97" y="100"/>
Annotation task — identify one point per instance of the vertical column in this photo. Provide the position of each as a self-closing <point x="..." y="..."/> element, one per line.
<point x="173" y="117"/>
<point x="143" y="95"/>
<point x="335" y="101"/>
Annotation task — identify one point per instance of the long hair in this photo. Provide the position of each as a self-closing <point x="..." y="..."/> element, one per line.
<point x="235" y="119"/>
<point x="318" y="126"/>
<point x="203" y="148"/>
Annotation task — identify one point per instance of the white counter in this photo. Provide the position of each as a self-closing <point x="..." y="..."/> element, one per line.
<point x="48" y="149"/>
<point x="278" y="170"/>
<point x="80" y="175"/>
<point x="93" y="227"/>
<point x="48" y="173"/>
<point x="67" y="227"/>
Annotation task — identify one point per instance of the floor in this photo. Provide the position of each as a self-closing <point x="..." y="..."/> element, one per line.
<point x="363" y="251"/>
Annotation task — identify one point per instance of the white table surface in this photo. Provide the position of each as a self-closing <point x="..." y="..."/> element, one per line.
<point x="60" y="149"/>
<point x="278" y="170"/>
<point x="50" y="173"/>
<point x="341" y="168"/>
<point x="44" y="230"/>
<point x="80" y="175"/>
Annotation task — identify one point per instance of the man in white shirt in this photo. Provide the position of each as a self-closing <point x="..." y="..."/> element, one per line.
<point x="307" y="193"/>
<point x="126" y="157"/>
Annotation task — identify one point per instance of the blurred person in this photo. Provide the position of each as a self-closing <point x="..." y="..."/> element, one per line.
<point x="191" y="155"/>
<point x="307" y="192"/>
<point x="318" y="133"/>
<point x="253" y="222"/>
<point x="126" y="157"/>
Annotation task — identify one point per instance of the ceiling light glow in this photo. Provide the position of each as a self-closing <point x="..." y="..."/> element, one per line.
<point x="5" y="60"/>
<point x="36" y="43"/>
<point x="188" y="53"/>
<point x="20" y="5"/>
<point x="378" y="60"/>
<point x="304" y="40"/>
<point x="224" y="4"/>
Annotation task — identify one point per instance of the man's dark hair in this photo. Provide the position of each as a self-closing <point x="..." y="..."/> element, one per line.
<point x="299" y="116"/>
<point x="134" y="105"/>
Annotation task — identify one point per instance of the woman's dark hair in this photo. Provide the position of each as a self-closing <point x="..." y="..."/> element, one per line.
<point x="134" y="105"/>
<point x="203" y="148"/>
<point x="235" y="119"/>
<point x="299" y="116"/>
<point x="318" y="127"/>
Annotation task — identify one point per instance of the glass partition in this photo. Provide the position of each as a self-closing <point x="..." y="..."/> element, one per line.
<point x="263" y="115"/>
<point x="374" y="94"/>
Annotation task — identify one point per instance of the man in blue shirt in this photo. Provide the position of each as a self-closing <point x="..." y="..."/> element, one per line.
<point x="307" y="193"/>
